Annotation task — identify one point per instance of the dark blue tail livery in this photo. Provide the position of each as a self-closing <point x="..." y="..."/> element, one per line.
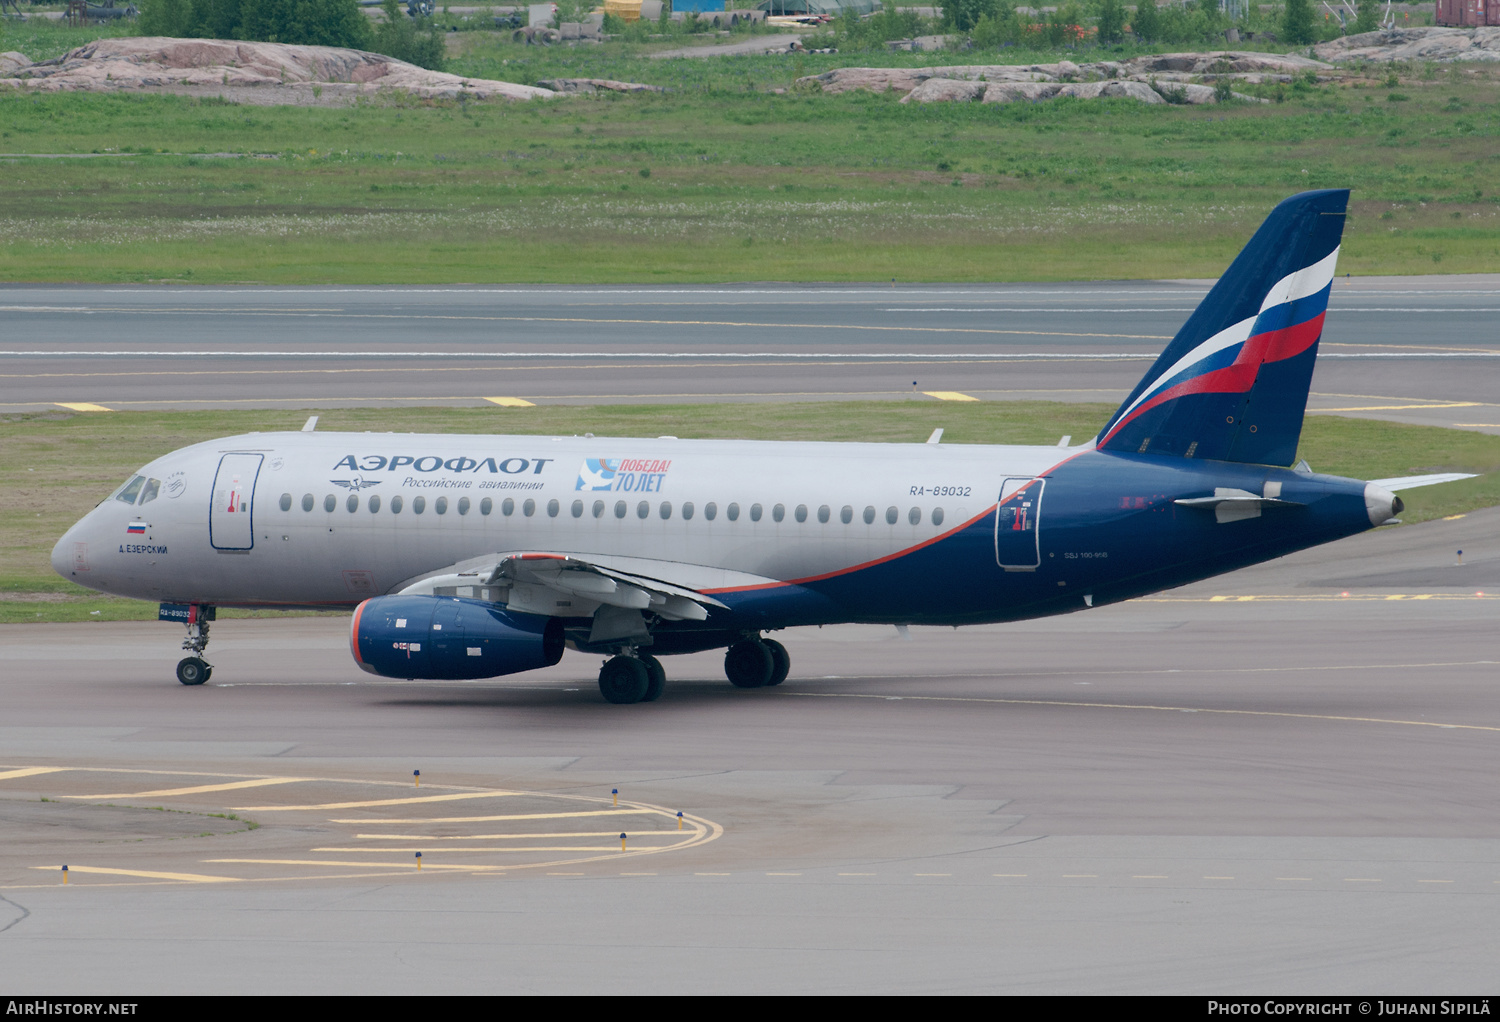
<point x="1232" y="385"/>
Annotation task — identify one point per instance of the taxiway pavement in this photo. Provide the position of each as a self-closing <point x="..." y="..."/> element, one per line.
<point x="1280" y="781"/>
<point x="1415" y="349"/>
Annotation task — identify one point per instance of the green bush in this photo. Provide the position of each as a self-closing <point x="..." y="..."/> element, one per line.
<point x="398" y="36"/>
<point x="1111" y="21"/>
<point x="314" y="22"/>
<point x="1369" y="16"/>
<point x="963" y="15"/>
<point x="1297" y="22"/>
<point x="1146" y="24"/>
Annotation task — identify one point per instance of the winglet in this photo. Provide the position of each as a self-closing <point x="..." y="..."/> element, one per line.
<point x="311" y="424"/>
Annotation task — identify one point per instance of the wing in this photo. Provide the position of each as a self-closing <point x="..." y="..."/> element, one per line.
<point x="579" y="585"/>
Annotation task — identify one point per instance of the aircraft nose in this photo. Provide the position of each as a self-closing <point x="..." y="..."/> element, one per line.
<point x="71" y="552"/>
<point x="1382" y="504"/>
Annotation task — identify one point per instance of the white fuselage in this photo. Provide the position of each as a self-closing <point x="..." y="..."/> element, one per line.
<point x="313" y="519"/>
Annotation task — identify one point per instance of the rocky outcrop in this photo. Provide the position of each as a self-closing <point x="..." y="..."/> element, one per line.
<point x="589" y="85"/>
<point x="147" y="62"/>
<point x="1440" y="45"/>
<point x="945" y="90"/>
<point x="1158" y="78"/>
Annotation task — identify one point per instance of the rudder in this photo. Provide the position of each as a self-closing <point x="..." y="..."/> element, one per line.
<point x="1232" y="385"/>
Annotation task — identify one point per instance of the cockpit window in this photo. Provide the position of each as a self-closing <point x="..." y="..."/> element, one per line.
<point x="152" y="488"/>
<point x="131" y="490"/>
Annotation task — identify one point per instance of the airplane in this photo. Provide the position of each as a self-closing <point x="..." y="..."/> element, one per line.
<point x="478" y="556"/>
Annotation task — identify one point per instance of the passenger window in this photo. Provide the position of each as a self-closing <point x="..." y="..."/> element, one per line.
<point x="914" y="516"/>
<point x="553" y="507"/>
<point x="666" y="509"/>
<point x="643" y="509"/>
<point x="710" y="510"/>
<point x="869" y="515"/>
<point x="577" y="509"/>
<point x="891" y="514"/>
<point x="687" y="510"/>
<point x="778" y="512"/>
<point x="801" y="513"/>
<point x="846" y="515"/>
<point x="824" y="514"/>
<point x="286" y="501"/>
<point x="507" y="507"/>
<point x="734" y="512"/>
<point x="755" y="512"/>
<point x="598" y="509"/>
<point x="352" y="503"/>
<point x="440" y="505"/>
<point x="307" y="502"/>
<point x="529" y="508"/>
<point x="396" y="503"/>
<point x="619" y="509"/>
<point x="374" y="504"/>
<point x="132" y="490"/>
<point x="330" y="502"/>
<point x="486" y="506"/>
<point x="153" y="487"/>
<point x="418" y="505"/>
<point x="463" y="505"/>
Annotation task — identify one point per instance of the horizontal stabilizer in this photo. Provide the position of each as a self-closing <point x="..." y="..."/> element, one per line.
<point x="1412" y="482"/>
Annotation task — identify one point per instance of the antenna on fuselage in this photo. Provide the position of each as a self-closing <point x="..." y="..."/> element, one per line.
<point x="311" y="424"/>
<point x="937" y="436"/>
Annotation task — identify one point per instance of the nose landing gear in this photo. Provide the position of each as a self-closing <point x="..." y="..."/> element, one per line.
<point x="194" y="670"/>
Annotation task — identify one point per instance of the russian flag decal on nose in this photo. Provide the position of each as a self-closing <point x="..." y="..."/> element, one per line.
<point x="136" y="529"/>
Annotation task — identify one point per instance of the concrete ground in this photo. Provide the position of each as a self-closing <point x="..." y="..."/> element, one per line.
<point x="1279" y="781"/>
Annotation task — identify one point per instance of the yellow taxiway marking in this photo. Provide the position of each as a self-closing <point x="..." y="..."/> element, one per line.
<point x="1434" y="881"/>
<point x="1478" y="425"/>
<point x="29" y="772"/>
<point x="82" y="406"/>
<point x="1159" y="709"/>
<point x="196" y="790"/>
<point x="412" y="865"/>
<point x="195" y="878"/>
<point x="427" y="849"/>
<point x="511" y="837"/>
<point x="1314" y="597"/>
<point x="511" y="402"/>
<point x="1395" y="408"/>
<point x="949" y="395"/>
<point x="477" y="819"/>
<point x="376" y="802"/>
<point x="1453" y="518"/>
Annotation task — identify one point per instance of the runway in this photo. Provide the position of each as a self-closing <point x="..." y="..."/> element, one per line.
<point x="1279" y="781"/>
<point x="1415" y="349"/>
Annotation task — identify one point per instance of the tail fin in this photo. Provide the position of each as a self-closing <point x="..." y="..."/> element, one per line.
<point x="1232" y="385"/>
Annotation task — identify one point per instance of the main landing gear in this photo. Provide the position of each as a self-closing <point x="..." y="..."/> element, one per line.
<point x="194" y="670"/>
<point x="632" y="678"/>
<point x="757" y="663"/>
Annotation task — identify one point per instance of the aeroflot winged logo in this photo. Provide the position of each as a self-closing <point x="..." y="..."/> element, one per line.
<point x="625" y="475"/>
<point x="357" y="483"/>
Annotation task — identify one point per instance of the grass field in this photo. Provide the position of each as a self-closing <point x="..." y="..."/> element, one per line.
<point x="721" y="179"/>
<point x="55" y="467"/>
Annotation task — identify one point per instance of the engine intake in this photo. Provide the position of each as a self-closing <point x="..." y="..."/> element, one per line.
<point x="447" y="638"/>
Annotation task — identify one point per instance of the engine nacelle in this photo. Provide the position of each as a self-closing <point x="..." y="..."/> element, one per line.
<point x="443" y="637"/>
